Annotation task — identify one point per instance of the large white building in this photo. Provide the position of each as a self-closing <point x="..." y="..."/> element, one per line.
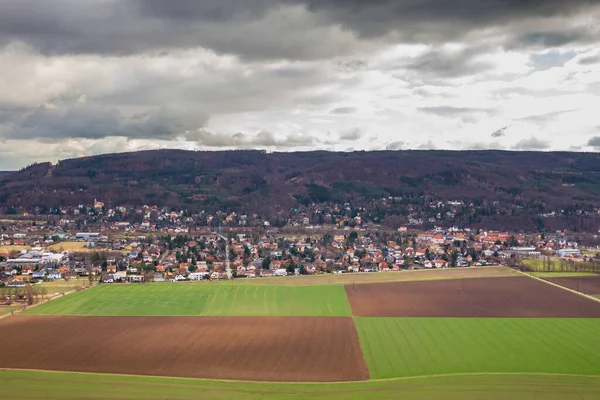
<point x="567" y="252"/>
<point x="87" y="235"/>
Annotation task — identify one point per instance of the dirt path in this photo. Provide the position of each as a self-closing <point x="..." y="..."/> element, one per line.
<point x="561" y="287"/>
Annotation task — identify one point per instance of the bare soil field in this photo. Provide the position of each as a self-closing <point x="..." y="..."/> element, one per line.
<point x="583" y="284"/>
<point x="496" y="297"/>
<point x="294" y="349"/>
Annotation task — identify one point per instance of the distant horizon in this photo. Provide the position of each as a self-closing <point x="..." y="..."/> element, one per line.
<point x="55" y="162"/>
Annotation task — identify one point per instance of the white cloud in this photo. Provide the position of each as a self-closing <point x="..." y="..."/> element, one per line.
<point x="269" y="90"/>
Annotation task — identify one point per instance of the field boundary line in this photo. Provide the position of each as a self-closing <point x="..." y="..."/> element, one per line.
<point x="401" y="378"/>
<point x="60" y="295"/>
<point x="561" y="287"/>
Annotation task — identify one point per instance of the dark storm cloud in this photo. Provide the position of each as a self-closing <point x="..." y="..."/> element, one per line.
<point x="199" y="10"/>
<point x="93" y="122"/>
<point x="449" y="64"/>
<point x="546" y="39"/>
<point x="450" y="17"/>
<point x="252" y="29"/>
<point x="258" y="29"/>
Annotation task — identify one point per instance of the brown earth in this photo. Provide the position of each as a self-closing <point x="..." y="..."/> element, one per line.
<point x="583" y="284"/>
<point x="495" y="297"/>
<point x="310" y="349"/>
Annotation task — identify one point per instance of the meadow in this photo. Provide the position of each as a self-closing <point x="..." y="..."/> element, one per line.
<point x="7" y="309"/>
<point x="562" y="274"/>
<point x="7" y="248"/>
<point x="399" y="347"/>
<point x="556" y="265"/>
<point x="62" y="286"/>
<point x="30" y="385"/>
<point x="201" y="299"/>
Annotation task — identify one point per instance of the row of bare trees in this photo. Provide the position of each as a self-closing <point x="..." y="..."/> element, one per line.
<point x="549" y="264"/>
<point x="28" y="294"/>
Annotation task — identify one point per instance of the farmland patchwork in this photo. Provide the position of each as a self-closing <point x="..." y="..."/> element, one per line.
<point x="311" y="333"/>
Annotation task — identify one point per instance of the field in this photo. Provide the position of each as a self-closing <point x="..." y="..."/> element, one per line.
<point x="78" y="247"/>
<point x="396" y="347"/>
<point x="262" y="348"/>
<point x="440" y="334"/>
<point x="71" y="386"/>
<point x="7" y="309"/>
<point x="201" y="299"/>
<point x="557" y="265"/>
<point x="68" y="246"/>
<point x="496" y="297"/>
<point x="585" y="284"/>
<point x="62" y="286"/>
<point x="561" y="274"/>
<point x="396" y="276"/>
<point x="8" y="248"/>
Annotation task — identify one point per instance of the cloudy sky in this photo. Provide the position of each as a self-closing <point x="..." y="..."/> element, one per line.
<point x="97" y="76"/>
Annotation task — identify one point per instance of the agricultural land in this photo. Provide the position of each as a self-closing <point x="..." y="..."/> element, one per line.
<point x="450" y="336"/>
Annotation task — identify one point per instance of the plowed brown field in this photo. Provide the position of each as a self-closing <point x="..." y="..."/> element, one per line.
<point x="311" y="349"/>
<point x="583" y="284"/>
<point x="496" y="297"/>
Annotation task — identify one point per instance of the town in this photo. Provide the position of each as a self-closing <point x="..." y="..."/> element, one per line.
<point x="132" y="245"/>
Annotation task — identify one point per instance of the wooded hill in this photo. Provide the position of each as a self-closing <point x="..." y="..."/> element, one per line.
<point x="261" y="182"/>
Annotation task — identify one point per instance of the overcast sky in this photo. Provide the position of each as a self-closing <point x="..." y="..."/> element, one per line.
<point x="96" y="76"/>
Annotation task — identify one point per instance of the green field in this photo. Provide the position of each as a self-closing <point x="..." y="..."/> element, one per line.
<point x="396" y="347"/>
<point x="29" y="385"/>
<point x="561" y="274"/>
<point x="62" y="286"/>
<point x="7" y="309"/>
<point x="201" y="299"/>
<point x="557" y="265"/>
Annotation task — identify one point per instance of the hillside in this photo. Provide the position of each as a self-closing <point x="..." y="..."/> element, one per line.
<point x="260" y="182"/>
<point x="5" y="174"/>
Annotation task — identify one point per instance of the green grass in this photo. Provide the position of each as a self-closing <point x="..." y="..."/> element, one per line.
<point x="29" y="385"/>
<point x="561" y="274"/>
<point x="541" y="265"/>
<point x="557" y="265"/>
<point x="396" y="347"/>
<point x="7" y="309"/>
<point x="63" y="286"/>
<point x="201" y="299"/>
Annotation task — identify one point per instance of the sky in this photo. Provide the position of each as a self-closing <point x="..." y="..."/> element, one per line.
<point x="79" y="78"/>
